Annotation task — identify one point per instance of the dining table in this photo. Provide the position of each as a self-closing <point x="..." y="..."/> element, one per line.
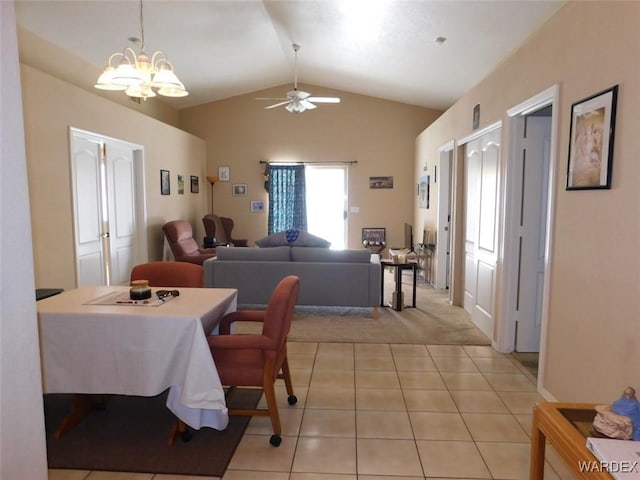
<point x="97" y="341"/>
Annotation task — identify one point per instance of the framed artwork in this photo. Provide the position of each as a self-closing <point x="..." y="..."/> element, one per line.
<point x="239" y="189"/>
<point x="223" y="174"/>
<point x="257" y="206"/>
<point x="374" y="236"/>
<point x="591" y="141"/>
<point x="423" y="192"/>
<point x="165" y="185"/>
<point x="380" y="182"/>
<point x="195" y="184"/>
<point x="180" y="184"/>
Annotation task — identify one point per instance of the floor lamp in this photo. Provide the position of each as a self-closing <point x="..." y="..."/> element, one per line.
<point x="212" y="180"/>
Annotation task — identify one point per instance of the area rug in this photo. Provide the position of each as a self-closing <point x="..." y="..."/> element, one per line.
<point x="130" y="435"/>
<point x="434" y="321"/>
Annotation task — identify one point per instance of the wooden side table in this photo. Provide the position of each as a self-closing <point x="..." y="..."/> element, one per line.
<point x="566" y="426"/>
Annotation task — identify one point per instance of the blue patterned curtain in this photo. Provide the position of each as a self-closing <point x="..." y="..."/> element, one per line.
<point x="287" y="203"/>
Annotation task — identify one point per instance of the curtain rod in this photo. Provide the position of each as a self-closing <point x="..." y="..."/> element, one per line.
<point x="265" y="162"/>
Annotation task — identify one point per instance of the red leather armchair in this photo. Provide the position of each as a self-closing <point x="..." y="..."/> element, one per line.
<point x="258" y="360"/>
<point x="220" y="228"/>
<point x="179" y="235"/>
<point x="169" y="274"/>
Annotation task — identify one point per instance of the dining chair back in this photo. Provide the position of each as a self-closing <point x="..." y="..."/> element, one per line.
<point x="169" y="274"/>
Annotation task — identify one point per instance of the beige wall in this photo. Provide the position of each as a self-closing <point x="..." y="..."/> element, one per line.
<point x="51" y="106"/>
<point x="593" y="330"/>
<point x="378" y="134"/>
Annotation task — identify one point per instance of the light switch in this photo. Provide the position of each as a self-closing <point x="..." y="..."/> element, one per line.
<point x="355" y="209"/>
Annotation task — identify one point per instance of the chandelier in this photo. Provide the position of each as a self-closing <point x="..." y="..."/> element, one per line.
<point x="138" y="75"/>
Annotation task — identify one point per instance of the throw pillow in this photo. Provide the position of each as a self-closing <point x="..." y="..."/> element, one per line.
<point x="292" y="238"/>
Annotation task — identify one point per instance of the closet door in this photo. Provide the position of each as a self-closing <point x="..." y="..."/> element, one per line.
<point x="481" y="229"/>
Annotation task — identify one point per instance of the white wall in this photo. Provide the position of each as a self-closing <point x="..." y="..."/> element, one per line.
<point x="22" y="439"/>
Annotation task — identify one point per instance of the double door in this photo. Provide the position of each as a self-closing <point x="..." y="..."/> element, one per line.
<point x="107" y="202"/>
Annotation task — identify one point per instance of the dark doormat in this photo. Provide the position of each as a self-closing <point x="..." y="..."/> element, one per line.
<point x="130" y="435"/>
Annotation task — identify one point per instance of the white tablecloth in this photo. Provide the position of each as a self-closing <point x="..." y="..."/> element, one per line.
<point x="137" y="350"/>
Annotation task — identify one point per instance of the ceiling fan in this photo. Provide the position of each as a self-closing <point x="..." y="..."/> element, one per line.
<point x="296" y="100"/>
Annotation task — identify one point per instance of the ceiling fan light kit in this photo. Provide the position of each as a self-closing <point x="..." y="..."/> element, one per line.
<point x="137" y="74"/>
<point x="296" y="100"/>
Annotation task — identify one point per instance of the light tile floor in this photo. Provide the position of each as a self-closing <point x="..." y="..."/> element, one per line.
<point x="389" y="412"/>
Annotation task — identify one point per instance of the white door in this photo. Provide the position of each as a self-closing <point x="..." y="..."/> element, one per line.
<point x="481" y="229"/>
<point x="326" y="197"/>
<point x="107" y="231"/>
<point x="88" y="215"/>
<point x="535" y="174"/>
<point x="122" y="222"/>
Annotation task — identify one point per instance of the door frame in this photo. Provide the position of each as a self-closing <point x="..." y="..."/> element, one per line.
<point x="140" y="191"/>
<point x="513" y="191"/>
<point x="444" y="220"/>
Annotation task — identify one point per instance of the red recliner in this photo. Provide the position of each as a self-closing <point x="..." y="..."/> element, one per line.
<point x="179" y="235"/>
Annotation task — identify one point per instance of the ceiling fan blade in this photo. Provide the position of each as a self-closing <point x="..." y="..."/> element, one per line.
<point x="271" y="98"/>
<point x="277" y="104"/>
<point x="324" y="99"/>
<point x="307" y="104"/>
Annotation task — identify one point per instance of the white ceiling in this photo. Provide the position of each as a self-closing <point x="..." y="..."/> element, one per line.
<point x="381" y="48"/>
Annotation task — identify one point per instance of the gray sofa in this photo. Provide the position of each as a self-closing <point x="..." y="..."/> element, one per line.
<point x="327" y="277"/>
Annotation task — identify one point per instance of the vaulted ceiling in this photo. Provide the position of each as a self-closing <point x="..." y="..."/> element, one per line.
<point x="381" y="48"/>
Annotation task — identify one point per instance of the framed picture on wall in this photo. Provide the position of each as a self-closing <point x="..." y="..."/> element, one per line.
<point x="195" y="184"/>
<point x="591" y="141"/>
<point x="223" y="174"/>
<point x="239" y="189"/>
<point x="380" y="182"/>
<point x="165" y="184"/>
<point x="180" y="184"/>
<point x="257" y="206"/>
<point x="374" y="236"/>
<point x="423" y="192"/>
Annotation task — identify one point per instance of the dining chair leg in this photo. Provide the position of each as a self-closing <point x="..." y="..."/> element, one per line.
<point x="179" y="429"/>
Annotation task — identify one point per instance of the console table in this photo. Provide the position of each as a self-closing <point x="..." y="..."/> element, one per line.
<point x="566" y="426"/>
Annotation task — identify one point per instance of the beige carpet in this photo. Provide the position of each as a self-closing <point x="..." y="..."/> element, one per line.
<point x="434" y="322"/>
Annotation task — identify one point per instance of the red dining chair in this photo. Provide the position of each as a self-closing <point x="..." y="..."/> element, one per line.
<point x="169" y="274"/>
<point x="258" y="360"/>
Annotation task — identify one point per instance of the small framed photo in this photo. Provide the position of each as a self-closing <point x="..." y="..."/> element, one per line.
<point x="380" y="182"/>
<point x="180" y="184"/>
<point x="257" y="206"/>
<point x="165" y="185"/>
<point x="239" y="189"/>
<point x="423" y="192"/>
<point x="591" y="141"/>
<point x="374" y="236"/>
<point x="223" y="174"/>
<point x="195" y="184"/>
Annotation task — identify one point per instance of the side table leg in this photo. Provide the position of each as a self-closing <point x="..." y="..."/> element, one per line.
<point x="537" y="453"/>
<point x="415" y="283"/>
<point x="399" y="289"/>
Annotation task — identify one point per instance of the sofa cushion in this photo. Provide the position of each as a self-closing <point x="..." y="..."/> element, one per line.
<point x="276" y="254"/>
<point x="293" y="238"/>
<point x="313" y="254"/>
